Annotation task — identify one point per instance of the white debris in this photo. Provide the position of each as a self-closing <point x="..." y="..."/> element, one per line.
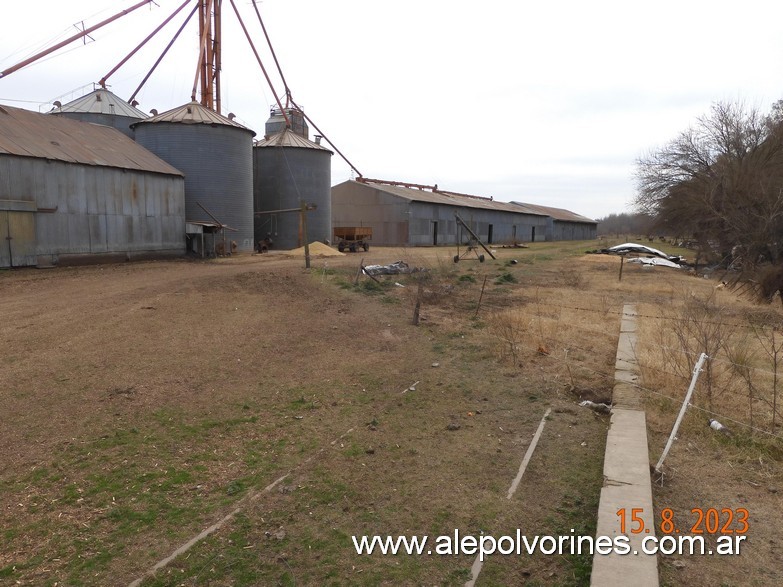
<point x="718" y="427"/>
<point x="600" y="408"/>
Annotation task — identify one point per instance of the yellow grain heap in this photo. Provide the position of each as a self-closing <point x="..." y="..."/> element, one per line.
<point x="317" y="249"/>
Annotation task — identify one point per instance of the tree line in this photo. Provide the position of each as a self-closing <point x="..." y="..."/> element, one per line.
<point x="720" y="183"/>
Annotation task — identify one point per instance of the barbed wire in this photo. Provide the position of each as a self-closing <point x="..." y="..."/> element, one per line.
<point x="673" y="349"/>
<point x="678" y="400"/>
<point x="606" y="312"/>
<point x="610" y="378"/>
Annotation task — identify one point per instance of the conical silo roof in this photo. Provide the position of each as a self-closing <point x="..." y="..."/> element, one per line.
<point x="194" y="113"/>
<point x="100" y="101"/>
<point x="289" y="138"/>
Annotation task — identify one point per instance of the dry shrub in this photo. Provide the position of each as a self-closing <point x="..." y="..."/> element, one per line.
<point x="511" y="329"/>
<point x="574" y="279"/>
<point x="738" y="381"/>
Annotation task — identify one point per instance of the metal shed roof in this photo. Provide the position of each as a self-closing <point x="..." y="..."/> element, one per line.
<point x="101" y="101"/>
<point x="289" y="138"/>
<point x="451" y="198"/>
<point x="558" y="213"/>
<point x="29" y="134"/>
<point x="192" y="113"/>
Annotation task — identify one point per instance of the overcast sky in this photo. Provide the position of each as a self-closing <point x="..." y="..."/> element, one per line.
<point x="543" y="102"/>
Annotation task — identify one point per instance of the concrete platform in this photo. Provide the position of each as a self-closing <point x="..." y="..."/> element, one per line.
<point x="627" y="483"/>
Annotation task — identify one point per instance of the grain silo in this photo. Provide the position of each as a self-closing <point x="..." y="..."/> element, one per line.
<point x="289" y="169"/>
<point x="215" y="154"/>
<point x="101" y="107"/>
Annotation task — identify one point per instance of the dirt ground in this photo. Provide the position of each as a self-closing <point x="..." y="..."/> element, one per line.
<point x="143" y="402"/>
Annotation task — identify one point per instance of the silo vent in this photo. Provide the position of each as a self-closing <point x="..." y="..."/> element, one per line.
<point x="231" y="116"/>
<point x="135" y="103"/>
<point x="154" y="112"/>
<point x="57" y="104"/>
<point x="317" y="139"/>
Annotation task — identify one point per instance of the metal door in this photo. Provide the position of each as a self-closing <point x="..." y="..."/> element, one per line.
<point x="17" y="239"/>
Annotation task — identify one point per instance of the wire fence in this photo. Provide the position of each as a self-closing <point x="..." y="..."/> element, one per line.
<point x="741" y="393"/>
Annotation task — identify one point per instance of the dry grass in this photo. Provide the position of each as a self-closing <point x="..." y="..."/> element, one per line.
<point x="738" y="382"/>
<point x="143" y="402"/>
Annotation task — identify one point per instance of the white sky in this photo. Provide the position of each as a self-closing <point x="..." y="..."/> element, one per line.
<point x="544" y="102"/>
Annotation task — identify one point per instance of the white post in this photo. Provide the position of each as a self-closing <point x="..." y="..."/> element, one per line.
<point x="696" y="371"/>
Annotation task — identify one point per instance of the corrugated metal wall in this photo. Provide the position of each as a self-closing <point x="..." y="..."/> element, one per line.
<point x="491" y="226"/>
<point x="357" y="205"/>
<point x="573" y="231"/>
<point x="85" y="209"/>
<point x="121" y="123"/>
<point x="17" y="234"/>
<point x="282" y="177"/>
<point x="217" y="162"/>
<point x="397" y="221"/>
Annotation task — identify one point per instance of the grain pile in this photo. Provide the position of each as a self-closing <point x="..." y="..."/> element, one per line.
<point x="317" y="249"/>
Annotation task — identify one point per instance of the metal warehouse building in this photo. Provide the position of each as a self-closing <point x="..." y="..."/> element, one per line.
<point x="74" y="191"/>
<point x="564" y="225"/>
<point x="409" y="215"/>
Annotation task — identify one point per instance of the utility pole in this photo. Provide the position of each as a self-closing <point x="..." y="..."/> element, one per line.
<point x="303" y="212"/>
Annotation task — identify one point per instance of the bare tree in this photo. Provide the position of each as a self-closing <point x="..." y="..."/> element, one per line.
<point x="721" y="182"/>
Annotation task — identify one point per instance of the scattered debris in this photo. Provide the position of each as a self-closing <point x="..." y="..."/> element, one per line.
<point x="718" y="427"/>
<point x="411" y="388"/>
<point x="635" y="248"/>
<point x="278" y="535"/>
<point x="453" y="426"/>
<point x="655" y="262"/>
<point x="395" y="268"/>
<point x="600" y="408"/>
<point x="435" y="365"/>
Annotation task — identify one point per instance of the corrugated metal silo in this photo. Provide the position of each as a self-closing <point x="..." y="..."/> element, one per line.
<point x="276" y="123"/>
<point x="287" y="170"/>
<point x="102" y="107"/>
<point x="215" y="154"/>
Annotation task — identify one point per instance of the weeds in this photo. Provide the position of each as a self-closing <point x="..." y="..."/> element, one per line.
<point x="505" y="278"/>
<point x="510" y="328"/>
